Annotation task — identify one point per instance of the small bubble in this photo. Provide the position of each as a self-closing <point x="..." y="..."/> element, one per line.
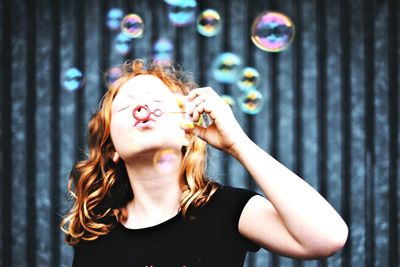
<point x="163" y="51"/>
<point x="132" y="25"/>
<point x="183" y="13"/>
<point x="174" y="2"/>
<point x="73" y="79"/>
<point x="251" y="102"/>
<point x="208" y="23"/>
<point x="113" y="74"/>
<point x="249" y="78"/>
<point x="272" y="31"/>
<point x="225" y="68"/>
<point x="122" y="44"/>
<point x="114" y="17"/>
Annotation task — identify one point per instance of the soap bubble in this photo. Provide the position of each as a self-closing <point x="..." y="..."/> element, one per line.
<point x="122" y="44"/>
<point x="165" y="160"/>
<point x="182" y="14"/>
<point x="208" y="23"/>
<point x="113" y="74"/>
<point x="73" y="79"/>
<point x="229" y="100"/>
<point x="225" y="67"/>
<point x="174" y="2"/>
<point x="163" y="51"/>
<point x="114" y="17"/>
<point x="249" y="78"/>
<point x="272" y="31"/>
<point x="251" y="101"/>
<point x="132" y="25"/>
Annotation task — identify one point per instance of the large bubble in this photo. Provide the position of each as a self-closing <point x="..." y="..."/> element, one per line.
<point x="272" y="31"/>
<point x="166" y="161"/>
<point x="132" y="25"/>
<point x="114" y="17"/>
<point x="113" y="74"/>
<point x="122" y="44"/>
<point x="208" y="23"/>
<point x="249" y="78"/>
<point x="183" y="13"/>
<point x="73" y="79"/>
<point x="225" y="67"/>
<point x="163" y="51"/>
<point x="251" y="101"/>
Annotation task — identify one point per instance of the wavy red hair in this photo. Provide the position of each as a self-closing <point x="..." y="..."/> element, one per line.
<point x="101" y="188"/>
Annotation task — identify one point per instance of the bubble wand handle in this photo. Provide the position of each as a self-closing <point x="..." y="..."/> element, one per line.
<point x="143" y="112"/>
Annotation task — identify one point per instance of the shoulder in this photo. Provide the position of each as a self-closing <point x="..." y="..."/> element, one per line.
<point x="229" y="201"/>
<point x="227" y="206"/>
<point x="227" y="194"/>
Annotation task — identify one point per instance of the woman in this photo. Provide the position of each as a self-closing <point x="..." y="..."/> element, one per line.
<point x="142" y="197"/>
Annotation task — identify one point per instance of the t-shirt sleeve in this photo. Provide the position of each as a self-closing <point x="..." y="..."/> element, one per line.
<point x="236" y="199"/>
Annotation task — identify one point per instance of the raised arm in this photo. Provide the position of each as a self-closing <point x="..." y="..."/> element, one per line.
<point x="293" y="220"/>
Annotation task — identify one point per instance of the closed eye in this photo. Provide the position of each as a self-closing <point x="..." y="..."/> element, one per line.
<point x="124" y="108"/>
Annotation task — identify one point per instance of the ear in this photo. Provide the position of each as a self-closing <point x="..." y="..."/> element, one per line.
<point x="115" y="157"/>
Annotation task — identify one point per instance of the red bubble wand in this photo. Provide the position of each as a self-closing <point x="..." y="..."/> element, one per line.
<point x="143" y="113"/>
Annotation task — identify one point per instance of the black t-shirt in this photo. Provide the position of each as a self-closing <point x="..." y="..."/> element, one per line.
<point x="213" y="239"/>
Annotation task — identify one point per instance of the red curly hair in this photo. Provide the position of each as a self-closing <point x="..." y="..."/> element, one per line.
<point x="101" y="188"/>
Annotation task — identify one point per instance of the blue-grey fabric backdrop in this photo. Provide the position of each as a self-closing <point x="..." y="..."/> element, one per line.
<point x="330" y="111"/>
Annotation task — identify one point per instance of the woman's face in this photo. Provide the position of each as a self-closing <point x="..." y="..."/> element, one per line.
<point x="131" y="136"/>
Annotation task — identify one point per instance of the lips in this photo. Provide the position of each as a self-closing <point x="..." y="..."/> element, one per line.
<point x="144" y="124"/>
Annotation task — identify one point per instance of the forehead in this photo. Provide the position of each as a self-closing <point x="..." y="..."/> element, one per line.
<point x="144" y="84"/>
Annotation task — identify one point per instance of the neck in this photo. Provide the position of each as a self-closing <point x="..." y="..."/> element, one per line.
<point x="155" y="186"/>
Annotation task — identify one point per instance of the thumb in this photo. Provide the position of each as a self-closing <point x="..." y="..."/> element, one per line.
<point x="190" y="127"/>
<point x="199" y="131"/>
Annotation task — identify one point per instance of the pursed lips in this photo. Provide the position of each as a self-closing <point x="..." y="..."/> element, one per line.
<point x="144" y="124"/>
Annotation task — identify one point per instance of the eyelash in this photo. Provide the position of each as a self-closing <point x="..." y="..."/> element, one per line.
<point x="124" y="108"/>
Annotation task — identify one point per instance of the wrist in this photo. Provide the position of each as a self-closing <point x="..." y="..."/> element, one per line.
<point x="241" y="147"/>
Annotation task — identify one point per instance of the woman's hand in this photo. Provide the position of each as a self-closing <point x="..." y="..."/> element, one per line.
<point x="225" y="132"/>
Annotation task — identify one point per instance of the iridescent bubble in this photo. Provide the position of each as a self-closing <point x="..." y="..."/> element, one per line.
<point x="183" y="13"/>
<point x="272" y="31"/>
<point x="122" y="44"/>
<point x="73" y="79"/>
<point x="114" y="17"/>
<point x="165" y="160"/>
<point x="229" y="100"/>
<point x="249" y="78"/>
<point x="208" y="23"/>
<point x="251" y="101"/>
<point x="225" y="67"/>
<point x="113" y="74"/>
<point x="163" y="51"/>
<point x="174" y="2"/>
<point x="132" y="25"/>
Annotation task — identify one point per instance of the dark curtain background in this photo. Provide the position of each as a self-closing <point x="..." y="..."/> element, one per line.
<point x="330" y="111"/>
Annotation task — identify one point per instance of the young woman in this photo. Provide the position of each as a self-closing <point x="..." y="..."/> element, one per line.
<point x="142" y="198"/>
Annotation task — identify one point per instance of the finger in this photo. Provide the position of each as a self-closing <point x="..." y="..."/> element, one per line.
<point x="203" y="107"/>
<point x="194" y="103"/>
<point x="198" y="131"/>
<point x="198" y="92"/>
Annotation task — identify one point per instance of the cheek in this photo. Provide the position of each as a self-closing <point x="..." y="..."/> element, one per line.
<point x="118" y="130"/>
